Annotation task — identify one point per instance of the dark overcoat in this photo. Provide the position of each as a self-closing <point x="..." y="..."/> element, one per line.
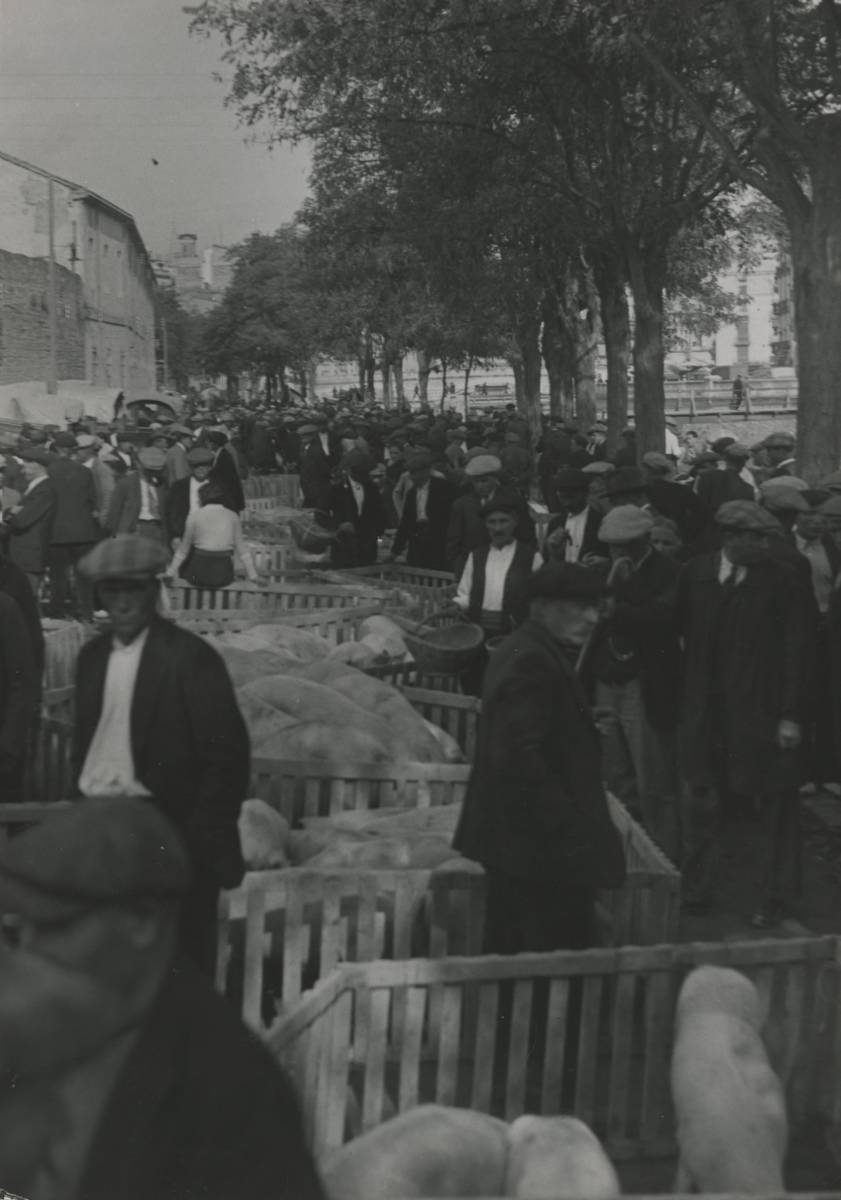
<point x="73" y="522"/>
<point x="31" y="529"/>
<point x="535" y="807"/>
<point x="748" y="657"/>
<point x="369" y="525"/>
<point x="427" y="546"/>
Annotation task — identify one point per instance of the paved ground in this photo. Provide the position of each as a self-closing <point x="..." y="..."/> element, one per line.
<point x="819" y="910"/>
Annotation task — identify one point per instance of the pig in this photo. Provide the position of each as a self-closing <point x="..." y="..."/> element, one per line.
<point x="732" y="1128"/>
<point x="263" y="836"/>
<point x="429" y="1151"/>
<point x="555" y="1157"/>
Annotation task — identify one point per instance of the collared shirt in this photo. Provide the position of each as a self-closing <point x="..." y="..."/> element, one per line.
<point x="149" y="507"/>
<point x="358" y="493"/>
<point x="109" y="766"/>
<point x="575" y="526"/>
<point x="821" y="570"/>
<point x="496" y="569"/>
<point x="421" y="498"/>
<point x="726" y="568"/>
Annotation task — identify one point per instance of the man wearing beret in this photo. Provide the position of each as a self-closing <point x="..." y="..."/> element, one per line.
<point x="74" y="528"/>
<point x="357" y="509"/>
<point x="123" y="1075"/>
<point x="139" y="500"/>
<point x="748" y="637"/>
<point x="156" y="716"/>
<point x="183" y="497"/>
<point x="635" y="665"/>
<point x="467" y="529"/>
<point x="422" y="531"/>
<point x="535" y="814"/>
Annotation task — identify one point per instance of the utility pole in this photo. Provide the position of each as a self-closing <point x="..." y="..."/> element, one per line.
<point x="52" y="300"/>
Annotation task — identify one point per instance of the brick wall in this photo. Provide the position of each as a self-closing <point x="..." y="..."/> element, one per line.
<point x="24" y="320"/>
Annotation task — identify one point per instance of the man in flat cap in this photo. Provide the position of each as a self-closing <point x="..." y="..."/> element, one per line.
<point x="626" y="485"/>
<point x="714" y="488"/>
<point x="156" y="716"/>
<point x="124" y="1075"/>
<point x="184" y="497"/>
<point x="176" y="466"/>
<point x="29" y="523"/>
<point x="74" y="529"/>
<point x="749" y="649"/>
<point x="319" y="458"/>
<point x="535" y="814"/>
<point x="104" y="481"/>
<point x="572" y="531"/>
<point x="673" y="500"/>
<point x="635" y="670"/>
<point x="779" y="451"/>
<point x="467" y="530"/>
<point x="139" y="501"/>
<point x="422" y="531"/>
<point x="226" y="470"/>
<point x="358" y="512"/>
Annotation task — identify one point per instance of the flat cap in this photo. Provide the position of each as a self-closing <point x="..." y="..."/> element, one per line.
<point x="151" y="458"/>
<point x="831" y="507"/>
<point x="627" y="523"/>
<point x="746" y="515"/>
<point x="624" y="479"/>
<point x="600" y="467"/>
<point x="566" y="581"/>
<point x="87" y="441"/>
<point x="656" y="461"/>
<point x="64" y="440"/>
<point x="570" y="479"/>
<point x="794" y="482"/>
<point x="357" y="460"/>
<point x="814" y="497"/>
<point x="126" y="556"/>
<point x="599" y="427"/>
<point x="780" y="440"/>
<point x="199" y="456"/>
<point x="93" y="852"/>
<point x="503" y="501"/>
<point x="482" y="464"/>
<point x="832" y="483"/>
<point x="779" y="498"/>
<point x="36" y="454"/>
<point x="38" y="437"/>
<point x="721" y="443"/>
<point x="180" y="430"/>
<point x="737" y="450"/>
<point x="479" y="452"/>
<point x="419" y="460"/>
<point x="307" y="428"/>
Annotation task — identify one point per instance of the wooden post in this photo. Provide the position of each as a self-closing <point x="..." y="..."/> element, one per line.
<point x="52" y="301"/>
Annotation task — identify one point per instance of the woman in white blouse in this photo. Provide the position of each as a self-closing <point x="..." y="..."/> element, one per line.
<point x="212" y="540"/>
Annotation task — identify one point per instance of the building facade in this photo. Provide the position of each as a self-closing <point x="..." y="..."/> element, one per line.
<point x="199" y="279"/>
<point x="104" y="283"/>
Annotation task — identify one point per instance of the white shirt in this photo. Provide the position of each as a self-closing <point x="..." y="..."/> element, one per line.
<point x="109" y="765"/>
<point x="214" y="527"/>
<point x="497" y="568"/>
<point x="421" y="497"/>
<point x="358" y="493"/>
<point x="726" y="569"/>
<point x="575" y="525"/>
<point x="149" y="507"/>
<point x="672" y="444"/>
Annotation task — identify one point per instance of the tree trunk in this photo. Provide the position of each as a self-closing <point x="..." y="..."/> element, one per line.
<point x="528" y="345"/>
<point x="424" y="366"/>
<point x="385" y="371"/>
<point x="647" y="272"/>
<point x="443" y="384"/>
<point x="816" y="271"/>
<point x="397" y="376"/>
<point x="466" y="394"/>
<point x="555" y="348"/>
<point x="360" y="370"/>
<point x="311" y="378"/>
<point x="587" y="333"/>
<point x="616" y="330"/>
<point x="519" y="382"/>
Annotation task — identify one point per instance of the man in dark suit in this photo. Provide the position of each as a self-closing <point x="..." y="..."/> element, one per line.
<point x="356" y="506"/>
<point x="225" y="471"/>
<point x="422" y="531"/>
<point x="183" y="497"/>
<point x="714" y="488"/>
<point x="19" y="689"/>
<point x="29" y="524"/>
<point x="131" y="1077"/>
<point x="572" y="533"/>
<point x="675" y="501"/>
<point x="317" y="463"/>
<point x="535" y="814"/>
<point x="74" y="529"/>
<point x="138" y="504"/>
<point x="779" y="451"/>
<point x="635" y="666"/>
<point x="156" y="715"/>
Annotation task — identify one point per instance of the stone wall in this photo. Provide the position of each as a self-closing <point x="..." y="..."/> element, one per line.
<point x="24" y="320"/>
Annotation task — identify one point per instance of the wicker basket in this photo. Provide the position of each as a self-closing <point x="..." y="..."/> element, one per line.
<point x="440" y="643"/>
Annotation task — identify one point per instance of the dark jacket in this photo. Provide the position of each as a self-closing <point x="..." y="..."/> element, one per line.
<point x="677" y="502"/>
<point x="75" y="493"/>
<point x="199" y="1109"/>
<point x="189" y="741"/>
<point x="645" y="621"/>
<point x="715" y="488"/>
<point x="177" y="508"/>
<point x="535" y="806"/>
<point x="316" y="471"/>
<point x="126" y="503"/>
<point x="19" y="681"/>
<point x="30" y="529"/>
<point x="748" y="657"/>
<point x="427" y="547"/>
<point x="466" y="530"/>
<point x="13" y="583"/>
<point x="225" y="473"/>
<point x="369" y="524"/>
<point x="590" y="543"/>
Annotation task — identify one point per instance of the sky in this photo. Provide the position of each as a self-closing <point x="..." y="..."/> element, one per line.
<point x="94" y="90"/>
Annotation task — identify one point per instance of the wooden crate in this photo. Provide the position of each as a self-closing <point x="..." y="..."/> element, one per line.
<point x="428" y="589"/>
<point x="645" y="911"/>
<point x="62" y="642"/>
<point x="273" y="597"/>
<point x="589" y="1033"/>
<point x="283" y="489"/>
<point x="313" y="789"/>
<point x="409" y="675"/>
<point x="49" y="774"/>
<point x="336" y="624"/>
<point x="285" y="929"/>
<point x="457" y="715"/>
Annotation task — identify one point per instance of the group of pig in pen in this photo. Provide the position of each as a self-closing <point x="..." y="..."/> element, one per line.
<point x="353" y="945"/>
